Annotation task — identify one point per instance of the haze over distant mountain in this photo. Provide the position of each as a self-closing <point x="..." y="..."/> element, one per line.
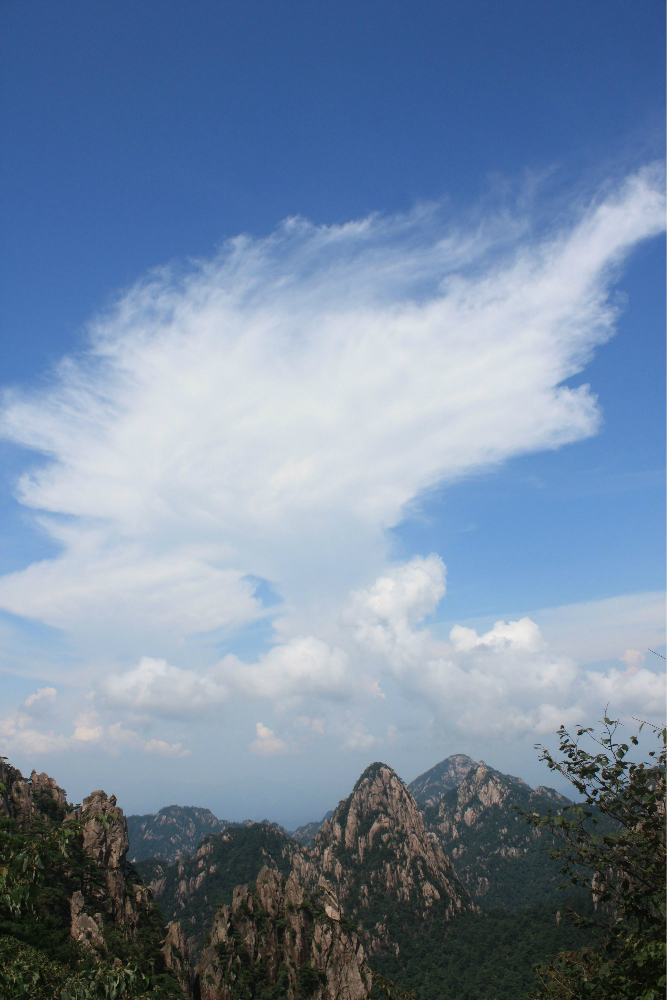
<point x="306" y="834"/>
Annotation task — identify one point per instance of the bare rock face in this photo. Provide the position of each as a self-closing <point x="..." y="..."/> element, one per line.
<point x="87" y="931"/>
<point x="429" y="787"/>
<point x="375" y="846"/>
<point x="176" y="955"/>
<point x="282" y="935"/>
<point x="28" y="800"/>
<point x="105" y="839"/>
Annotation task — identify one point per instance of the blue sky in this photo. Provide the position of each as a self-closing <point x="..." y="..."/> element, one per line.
<point x="251" y="484"/>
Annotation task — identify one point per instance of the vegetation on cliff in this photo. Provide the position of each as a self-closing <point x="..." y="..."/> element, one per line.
<point x="71" y="925"/>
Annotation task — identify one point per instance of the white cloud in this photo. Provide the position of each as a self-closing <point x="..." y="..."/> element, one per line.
<point x="42" y="694"/>
<point x="356" y="736"/>
<point x="302" y="666"/>
<point x="508" y="680"/>
<point x="383" y="615"/>
<point x="313" y="725"/>
<point x="269" y="416"/>
<point x="273" y="412"/>
<point x="592" y="631"/>
<point x="166" y="749"/>
<point x="267" y="743"/>
<point x="31" y="742"/>
<point x="634" y="659"/>
<point x="157" y="688"/>
<point x="85" y="729"/>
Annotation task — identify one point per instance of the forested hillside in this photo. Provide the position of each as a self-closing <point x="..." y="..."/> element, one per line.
<point x="455" y="902"/>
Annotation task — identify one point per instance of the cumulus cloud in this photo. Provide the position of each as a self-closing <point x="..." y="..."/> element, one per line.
<point x="508" y="680"/>
<point x="157" y="688"/>
<point x="267" y="743"/>
<point x="356" y="736"/>
<point x="313" y="725"/>
<point x="634" y="658"/>
<point x="302" y="666"/>
<point x="86" y="730"/>
<point x="269" y="414"/>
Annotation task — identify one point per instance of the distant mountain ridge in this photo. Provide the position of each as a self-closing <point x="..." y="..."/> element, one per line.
<point x="175" y="832"/>
<point x="170" y="833"/>
<point x="306" y="834"/>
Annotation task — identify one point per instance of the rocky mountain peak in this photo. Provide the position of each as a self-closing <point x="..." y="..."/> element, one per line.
<point x="480" y="827"/>
<point x="430" y="786"/>
<point x="105" y="835"/>
<point x="376" y="844"/>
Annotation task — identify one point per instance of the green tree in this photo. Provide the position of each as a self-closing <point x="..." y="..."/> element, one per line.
<point x="613" y="844"/>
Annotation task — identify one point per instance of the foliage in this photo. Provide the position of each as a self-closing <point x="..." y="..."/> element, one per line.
<point x="42" y="863"/>
<point x="26" y="973"/>
<point x="384" y="989"/>
<point x="26" y="860"/>
<point x="480" y="956"/>
<point x="613" y="844"/>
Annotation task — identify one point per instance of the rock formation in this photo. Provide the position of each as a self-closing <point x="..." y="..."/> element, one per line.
<point x="122" y="902"/>
<point x="375" y="845"/>
<point x="281" y="935"/>
<point x="26" y="800"/>
<point x="110" y="910"/>
<point x="192" y="889"/>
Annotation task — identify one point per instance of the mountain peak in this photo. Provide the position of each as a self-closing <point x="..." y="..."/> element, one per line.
<point x="430" y="786"/>
<point x="376" y="846"/>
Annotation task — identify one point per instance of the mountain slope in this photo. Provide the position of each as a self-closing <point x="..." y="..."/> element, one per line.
<point x="88" y="907"/>
<point x="192" y="889"/>
<point x="501" y="860"/>
<point x="390" y="875"/>
<point x="430" y="786"/>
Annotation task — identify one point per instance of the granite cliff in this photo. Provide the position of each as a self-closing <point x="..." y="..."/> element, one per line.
<point x="375" y="848"/>
<point x="283" y="940"/>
